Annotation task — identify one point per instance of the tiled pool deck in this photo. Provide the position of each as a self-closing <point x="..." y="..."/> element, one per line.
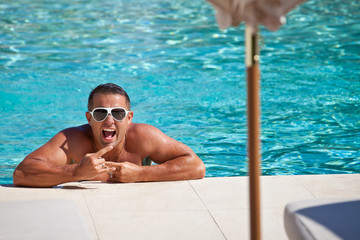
<point x="211" y="208"/>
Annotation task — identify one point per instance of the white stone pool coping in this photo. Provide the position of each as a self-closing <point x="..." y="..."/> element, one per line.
<point x="210" y="208"/>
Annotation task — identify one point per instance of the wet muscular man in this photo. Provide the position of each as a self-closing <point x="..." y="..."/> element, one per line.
<point x="110" y="148"/>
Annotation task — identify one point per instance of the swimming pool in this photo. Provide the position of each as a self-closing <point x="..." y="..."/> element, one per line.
<point x="187" y="78"/>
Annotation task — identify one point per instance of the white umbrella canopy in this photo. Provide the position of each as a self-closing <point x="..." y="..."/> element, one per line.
<point x="271" y="14"/>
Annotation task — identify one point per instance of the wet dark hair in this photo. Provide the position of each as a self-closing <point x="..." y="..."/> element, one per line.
<point x="108" y="88"/>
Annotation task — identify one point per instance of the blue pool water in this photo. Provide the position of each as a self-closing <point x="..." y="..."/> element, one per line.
<point x="187" y="78"/>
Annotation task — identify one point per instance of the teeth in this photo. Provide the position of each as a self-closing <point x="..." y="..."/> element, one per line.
<point x="109" y="130"/>
<point x="108" y="133"/>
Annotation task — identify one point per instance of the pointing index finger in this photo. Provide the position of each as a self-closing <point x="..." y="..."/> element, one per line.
<point x="103" y="151"/>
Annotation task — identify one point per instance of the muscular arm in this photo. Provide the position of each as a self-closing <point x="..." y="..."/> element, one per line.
<point x="33" y="172"/>
<point x="47" y="166"/>
<point x="175" y="160"/>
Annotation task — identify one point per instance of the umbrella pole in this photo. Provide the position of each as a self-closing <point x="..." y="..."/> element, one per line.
<point x="253" y="98"/>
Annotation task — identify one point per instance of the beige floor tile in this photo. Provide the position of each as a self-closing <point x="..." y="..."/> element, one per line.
<point x="188" y="209"/>
<point x="331" y="186"/>
<point x="277" y="191"/>
<point x="42" y="219"/>
<point x="273" y="224"/>
<point x="223" y="193"/>
<point x="161" y="196"/>
<point x="235" y="223"/>
<point x="175" y="225"/>
<point x="229" y="193"/>
<point x="69" y="191"/>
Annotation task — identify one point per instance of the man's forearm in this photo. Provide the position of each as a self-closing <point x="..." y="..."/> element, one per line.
<point x="38" y="173"/>
<point x="182" y="168"/>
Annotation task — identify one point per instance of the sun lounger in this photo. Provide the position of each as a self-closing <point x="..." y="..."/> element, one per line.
<point x="323" y="219"/>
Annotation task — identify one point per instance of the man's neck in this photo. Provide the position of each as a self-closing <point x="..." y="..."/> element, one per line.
<point x="115" y="154"/>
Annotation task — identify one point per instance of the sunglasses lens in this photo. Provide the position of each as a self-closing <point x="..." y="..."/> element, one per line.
<point x="100" y="114"/>
<point x="118" y="113"/>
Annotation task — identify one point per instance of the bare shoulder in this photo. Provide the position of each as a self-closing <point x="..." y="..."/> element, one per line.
<point x="145" y="136"/>
<point x="72" y="134"/>
<point x="151" y="141"/>
<point x="144" y="131"/>
<point x="78" y="140"/>
<point x="79" y="132"/>
<point x="136" y="127"/>
<point x="68" y="144"/>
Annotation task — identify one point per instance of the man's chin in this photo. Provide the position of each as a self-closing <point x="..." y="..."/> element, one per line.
<point x="106" y="143"/>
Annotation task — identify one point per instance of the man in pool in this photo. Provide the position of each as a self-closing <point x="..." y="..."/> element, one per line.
<point x="110" y="148"/>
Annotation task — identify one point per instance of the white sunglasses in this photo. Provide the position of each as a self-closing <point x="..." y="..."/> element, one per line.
<point x="100" y="114"/>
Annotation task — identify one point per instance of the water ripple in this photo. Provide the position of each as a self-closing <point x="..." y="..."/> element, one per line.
<point x="186" y="77"/>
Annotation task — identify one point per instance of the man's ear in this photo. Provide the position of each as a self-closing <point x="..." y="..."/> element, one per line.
<point x="130" y="116"/>
<point x="88" y="117"/>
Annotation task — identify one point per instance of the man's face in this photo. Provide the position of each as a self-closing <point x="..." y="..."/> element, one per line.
<point x="109" y="131"/>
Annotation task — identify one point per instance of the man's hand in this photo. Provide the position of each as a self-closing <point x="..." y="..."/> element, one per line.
<point x="125" y="172"/>
<point x="92" y="164"/>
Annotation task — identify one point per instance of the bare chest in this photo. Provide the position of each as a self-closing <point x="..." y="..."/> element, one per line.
<point x="126" y="157"/>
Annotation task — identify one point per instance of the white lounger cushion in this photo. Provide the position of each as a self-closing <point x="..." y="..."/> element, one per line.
<point x="43" y="219"/>
<point x="323" y="219"/>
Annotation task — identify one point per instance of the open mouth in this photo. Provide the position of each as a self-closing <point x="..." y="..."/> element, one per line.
<point x="108" y="134"/>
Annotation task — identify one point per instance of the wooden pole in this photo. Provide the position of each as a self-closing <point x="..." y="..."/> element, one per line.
<point x="254" y="155"/>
